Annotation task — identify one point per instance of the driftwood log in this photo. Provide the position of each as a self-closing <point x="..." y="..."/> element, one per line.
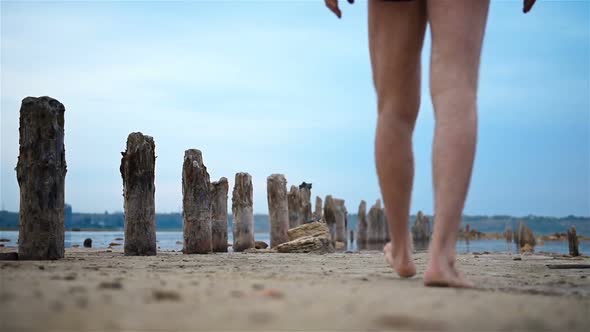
<point x="196" y="204"/>
<point x="315" y="229"/>
<point x="308" y="238"/>
<point x="243" y="213"/>
<point x="138" y="171"/>
<point x="294" y="205"/>
<point x="308" y="244"/>
<point x="278" y="211"/>
<point x="41" y="172"/>
<point x="361" y="226"/>
<point x="219" y="220"/>
<point x="572" y="240"/>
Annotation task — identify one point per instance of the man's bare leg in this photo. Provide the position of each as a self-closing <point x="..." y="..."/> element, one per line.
<point x="396" y="35"/>
<point x="457" y="33"/>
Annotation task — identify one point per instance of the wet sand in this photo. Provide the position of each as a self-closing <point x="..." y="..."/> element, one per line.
<point x="94" y="290"/>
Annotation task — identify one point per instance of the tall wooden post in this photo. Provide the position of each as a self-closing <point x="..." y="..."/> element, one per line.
<point x="341" y="220"/>
<point x="361" y="236"/>
<point x="318" y="208"/>
<point x="294" y="205"/>
<point x="41" y="172"/>
<point x="278" y="211"/>
<point x="219" y="218"/>
<point x="196" y="204"/>
<point x="243" y="212"/>
<point x="375" y="223"/>
<point x="305" y="195"/>
<point x="330" y="216"/>
<point x="138" y="171"/>
<point x="572" y="240"/>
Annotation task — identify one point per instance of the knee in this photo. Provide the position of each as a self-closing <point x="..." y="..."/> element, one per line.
<point x="399" y="111"/>
<point x="454" y="102"/>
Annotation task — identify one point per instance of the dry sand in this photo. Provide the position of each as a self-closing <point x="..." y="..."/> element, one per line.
<point x="93" y="290"/>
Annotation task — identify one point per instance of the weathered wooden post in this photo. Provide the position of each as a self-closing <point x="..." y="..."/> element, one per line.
<point x="421" y="229"/>
<point x="318" y="209"/>
<point x="525" y="239"/>
<point x="572" y="240"/>
<point x="243" y="213"/>
<point x="361" y="226"/>
<point x="196" y="204"/>
<point x="41" y="172"/>
<point x="330" y="216"/>
<point x="305" y="195"/>
<point x="138" y="171"/>
<point x="278" y="211"/>
<point x="219" y="191"/>
<point x="294" y="205"/>
<point x="341" y="215"/>
<point x="374" y="223"/>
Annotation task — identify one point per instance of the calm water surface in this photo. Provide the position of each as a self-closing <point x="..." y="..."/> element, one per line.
<point x="172" y="240"/>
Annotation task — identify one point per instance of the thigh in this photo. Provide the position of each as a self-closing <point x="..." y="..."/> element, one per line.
<point x="396" y="36"/>
<point x="457" y="28"/>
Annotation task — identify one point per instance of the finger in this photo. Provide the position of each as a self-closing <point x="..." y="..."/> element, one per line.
<point x="333" y="6"/>
<point x="528" y="5"/>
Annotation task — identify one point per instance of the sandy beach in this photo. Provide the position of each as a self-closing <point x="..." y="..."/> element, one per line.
<point x="96" y="290"/>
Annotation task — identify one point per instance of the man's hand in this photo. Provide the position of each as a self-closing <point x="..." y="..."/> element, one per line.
<point x="528" y="5"/>
<point x="333" y="6"/>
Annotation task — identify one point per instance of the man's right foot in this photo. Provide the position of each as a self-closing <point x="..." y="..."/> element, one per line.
<point x="401" y="262"/>
<point x="441" y="272"/>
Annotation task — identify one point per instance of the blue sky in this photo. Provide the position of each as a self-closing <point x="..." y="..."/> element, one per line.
<point x="284" y="87"/>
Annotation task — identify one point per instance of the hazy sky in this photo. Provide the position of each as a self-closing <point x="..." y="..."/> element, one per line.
<point x="284" y="87"/>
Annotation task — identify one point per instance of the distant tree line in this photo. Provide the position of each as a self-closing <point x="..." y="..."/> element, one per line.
<point x="173" y="221"/>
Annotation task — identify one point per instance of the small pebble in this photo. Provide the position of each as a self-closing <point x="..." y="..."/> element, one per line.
<point x="110" y="285"/>
<point x="258" y="286"/>
<point x="165" y="295"/>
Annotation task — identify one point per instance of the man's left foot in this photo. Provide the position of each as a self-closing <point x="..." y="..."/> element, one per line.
<point x="401" y="262"/>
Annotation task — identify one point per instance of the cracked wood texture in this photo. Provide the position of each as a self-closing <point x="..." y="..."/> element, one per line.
<point x="361" y="235"/>
<point x="341" y="217"/>
<point x="278" y="211"/>
<point x="243" y="213"/>
<point x="375" y="224"/>
<point x="318" y="209"/>
<point x="138" y="170"/>
<point x="294" y="205"/>
<point x="196" y="204"/>
<point x="41" y="172"/>
<point x="329" y="216"/>
<point x="219" y="190"/>
<point x="305" y="215"/>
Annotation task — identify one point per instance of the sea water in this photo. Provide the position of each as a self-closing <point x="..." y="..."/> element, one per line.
<point x="172" y="240"/>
